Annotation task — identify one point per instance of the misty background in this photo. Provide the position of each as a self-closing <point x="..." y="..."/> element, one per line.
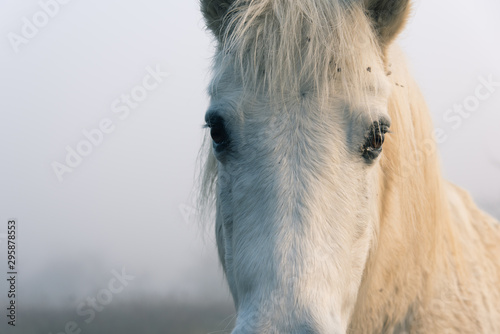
<point x="128" y="205"/>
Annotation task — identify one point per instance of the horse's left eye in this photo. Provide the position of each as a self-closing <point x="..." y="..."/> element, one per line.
<point x="377" y="140"/>
<point x="374" y="141"/>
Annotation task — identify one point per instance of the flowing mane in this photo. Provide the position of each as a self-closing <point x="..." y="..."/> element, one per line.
<point x="318" y="41"/>
<point x="433" y="260"/>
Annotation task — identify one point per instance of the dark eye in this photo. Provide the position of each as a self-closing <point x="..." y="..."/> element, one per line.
<point x="218" y="131"/>
<point x="374" y="140"/>
<point x="377" y="140"/>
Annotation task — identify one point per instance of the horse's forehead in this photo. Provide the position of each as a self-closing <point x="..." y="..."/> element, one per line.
<point x="367" y="76"/>
<point x="228" y="96"/>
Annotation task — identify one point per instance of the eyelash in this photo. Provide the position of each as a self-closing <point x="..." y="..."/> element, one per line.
<point x="374" y="141"/>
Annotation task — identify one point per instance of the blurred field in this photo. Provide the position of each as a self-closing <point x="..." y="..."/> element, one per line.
<point x="153" y="317"/>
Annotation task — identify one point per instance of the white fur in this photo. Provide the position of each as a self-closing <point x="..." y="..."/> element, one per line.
<point x="296" y="205"/>
<point x="312" y="237"/>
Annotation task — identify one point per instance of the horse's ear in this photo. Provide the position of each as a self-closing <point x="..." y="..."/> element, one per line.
<point x="215" y="12"/>
<point x="388" y="17"/>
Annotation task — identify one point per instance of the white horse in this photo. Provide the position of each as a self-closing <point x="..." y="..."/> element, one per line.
<point x="318" y="229"/>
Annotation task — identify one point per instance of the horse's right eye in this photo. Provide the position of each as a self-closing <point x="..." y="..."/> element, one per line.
<point x="218" y="131"/>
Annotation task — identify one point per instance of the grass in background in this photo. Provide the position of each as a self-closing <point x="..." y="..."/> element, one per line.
<point x="145" y="317"/>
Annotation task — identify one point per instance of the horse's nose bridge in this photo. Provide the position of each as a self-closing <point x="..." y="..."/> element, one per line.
<point x="304" y="328"/>
<point x="279" y="316"/>
<point x="306" y="331"/>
